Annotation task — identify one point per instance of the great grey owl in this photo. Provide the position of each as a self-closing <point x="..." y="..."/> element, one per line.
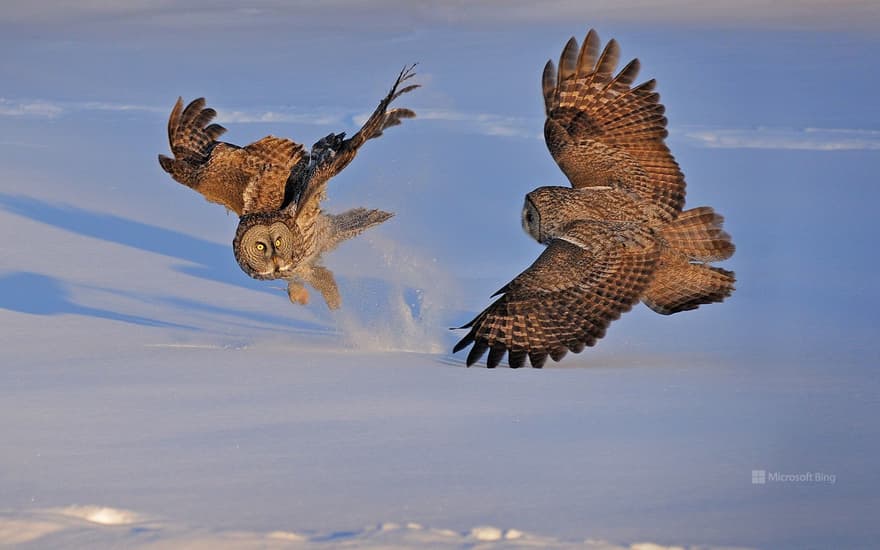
<point x="617" y="235"/>
<point x="276" y="188"/>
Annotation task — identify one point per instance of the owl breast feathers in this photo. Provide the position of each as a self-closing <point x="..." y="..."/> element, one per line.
<point x="618" y="235"/>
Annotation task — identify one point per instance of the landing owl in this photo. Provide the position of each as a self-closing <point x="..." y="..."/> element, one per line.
<point x="276" y="188"/>
<point x="618" y="235"/>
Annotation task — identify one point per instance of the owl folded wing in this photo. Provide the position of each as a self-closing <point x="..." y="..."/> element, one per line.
<point x="566" y="299"/>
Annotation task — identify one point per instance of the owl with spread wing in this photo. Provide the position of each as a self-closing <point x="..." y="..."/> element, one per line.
<point x="276" y="188"/>
<point x="618" y="235"/>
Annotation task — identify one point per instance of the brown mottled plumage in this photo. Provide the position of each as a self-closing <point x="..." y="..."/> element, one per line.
<point x="276" y="189"/>
<point x="618" y="235"/>
<point x="288" y="242"/>
<point x="243" y="179"/>
<point x="603" y="132"/>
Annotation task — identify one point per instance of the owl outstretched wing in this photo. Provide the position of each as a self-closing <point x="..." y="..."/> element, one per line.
<point x="243" y="179"/>
<point x="567" y="298"/>
<point x="332" y="154"/>
<point x="602" y="131"/>
<point x="190" y="133"/>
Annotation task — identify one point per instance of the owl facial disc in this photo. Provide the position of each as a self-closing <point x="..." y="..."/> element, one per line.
<point x="265" y="251"/>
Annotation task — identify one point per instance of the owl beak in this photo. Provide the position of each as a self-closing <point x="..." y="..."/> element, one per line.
<point x="276" y="261"/>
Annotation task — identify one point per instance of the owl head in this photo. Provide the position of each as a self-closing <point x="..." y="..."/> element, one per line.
<point x="267" y="245"/>
<point x="547" y="210"/>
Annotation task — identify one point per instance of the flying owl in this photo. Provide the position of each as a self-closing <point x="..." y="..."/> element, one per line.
<point x="276" y="188"/>
<point x="617" y="235"/>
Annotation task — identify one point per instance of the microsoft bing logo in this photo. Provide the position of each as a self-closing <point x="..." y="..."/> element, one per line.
<point x="763" y="477"/>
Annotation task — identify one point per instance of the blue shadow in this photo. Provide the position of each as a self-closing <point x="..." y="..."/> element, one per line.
<point x="214" y="261"/>
<point x="335" y="536"/>
<point x="38" y="294"/>
<point x="33" y="293"/>
<point x="281" y="323"/>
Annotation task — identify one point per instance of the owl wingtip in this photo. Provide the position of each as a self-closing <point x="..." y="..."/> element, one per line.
<point x="463" y="343"/>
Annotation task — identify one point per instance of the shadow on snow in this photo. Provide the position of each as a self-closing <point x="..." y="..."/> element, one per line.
<point x="38" y="294"/>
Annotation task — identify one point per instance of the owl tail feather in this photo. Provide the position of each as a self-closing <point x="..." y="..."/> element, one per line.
<point x="352" y="223"/>
<point x="683" y="281"/>
<point x="697" y="233"/>
<point x="679" y="285"/>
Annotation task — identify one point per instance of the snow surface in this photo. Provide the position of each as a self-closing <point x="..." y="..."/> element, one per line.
<point x="153" y="396"/>
<point x="78" y="525"/>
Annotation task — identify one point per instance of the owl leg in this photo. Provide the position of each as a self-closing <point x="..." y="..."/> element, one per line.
<point x="297" y="293"/>
<point x="322" y="279"/>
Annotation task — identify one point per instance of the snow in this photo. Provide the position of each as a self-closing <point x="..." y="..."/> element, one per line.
<point x="232" y="442"/>
<point x="100" y="515"/>
<point x="152" y="396"/>
<point x="59" y="526"/>
<point x="487" y="533"/>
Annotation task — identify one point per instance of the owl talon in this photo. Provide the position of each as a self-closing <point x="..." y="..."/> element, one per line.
<point x="297" y="294"/>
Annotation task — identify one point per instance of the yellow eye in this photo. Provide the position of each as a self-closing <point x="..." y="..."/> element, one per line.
<point x="277" y="243"/>
<point x="261" y="247"/>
